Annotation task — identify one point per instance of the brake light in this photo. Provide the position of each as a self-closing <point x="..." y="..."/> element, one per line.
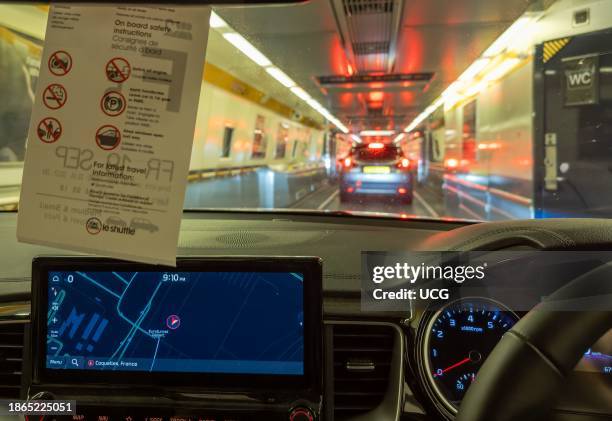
<point x="402" y="190"/>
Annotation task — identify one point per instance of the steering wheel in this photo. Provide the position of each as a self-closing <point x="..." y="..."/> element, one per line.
<point x="521" y="377"/>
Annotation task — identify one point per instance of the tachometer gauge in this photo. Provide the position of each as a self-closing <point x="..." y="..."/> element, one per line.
<point x="457" y="340"/>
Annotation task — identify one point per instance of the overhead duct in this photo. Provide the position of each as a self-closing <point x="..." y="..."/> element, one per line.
<point x="369" y="31"/>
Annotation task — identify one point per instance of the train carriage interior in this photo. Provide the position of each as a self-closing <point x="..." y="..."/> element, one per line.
<point x="328" y="133"/>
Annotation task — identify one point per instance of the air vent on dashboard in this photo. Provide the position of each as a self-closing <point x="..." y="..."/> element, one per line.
<point x="11" y="355"/>
<point x="341" y="276"/>
<point x="362" y="361"/>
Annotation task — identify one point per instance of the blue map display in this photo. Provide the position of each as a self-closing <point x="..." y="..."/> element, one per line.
<point x="200" y="322"/>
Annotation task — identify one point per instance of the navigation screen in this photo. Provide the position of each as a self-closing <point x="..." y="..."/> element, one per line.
<point x="196" y="322"/>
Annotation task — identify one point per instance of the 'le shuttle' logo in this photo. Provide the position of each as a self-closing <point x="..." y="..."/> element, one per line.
<point x="93" y="226"/>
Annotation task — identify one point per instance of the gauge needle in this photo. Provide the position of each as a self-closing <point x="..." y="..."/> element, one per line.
<point x="463" y="361"/>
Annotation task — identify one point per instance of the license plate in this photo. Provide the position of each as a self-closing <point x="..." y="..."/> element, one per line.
<point x="379" y="169"/>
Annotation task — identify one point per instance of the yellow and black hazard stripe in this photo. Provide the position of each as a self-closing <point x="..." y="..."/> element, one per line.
<point x="551" y="48"/>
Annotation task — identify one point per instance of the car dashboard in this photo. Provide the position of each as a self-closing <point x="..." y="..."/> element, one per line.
<point x="372" y="365"/>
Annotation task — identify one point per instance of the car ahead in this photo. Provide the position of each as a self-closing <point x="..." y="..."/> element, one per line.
<point x="376" y="169"/>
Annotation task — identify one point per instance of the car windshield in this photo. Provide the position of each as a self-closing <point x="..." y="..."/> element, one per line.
<point x="474" y="109"/>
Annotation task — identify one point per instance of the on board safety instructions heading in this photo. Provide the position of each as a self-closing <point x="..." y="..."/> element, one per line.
<point x="112" y="128"/>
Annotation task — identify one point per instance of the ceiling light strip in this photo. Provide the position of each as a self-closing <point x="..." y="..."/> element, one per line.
<point x="260" y="59"/>
<point x="485" y="69"/>
<point x="377" y="132"/>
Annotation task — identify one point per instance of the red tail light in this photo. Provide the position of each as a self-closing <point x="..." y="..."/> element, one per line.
<point x="404" y="164"/>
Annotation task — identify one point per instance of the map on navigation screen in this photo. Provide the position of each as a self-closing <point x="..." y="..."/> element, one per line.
<point x="200" y="322"/>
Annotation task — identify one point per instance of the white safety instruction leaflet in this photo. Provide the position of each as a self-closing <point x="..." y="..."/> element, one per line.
<point x="112" y="128"/>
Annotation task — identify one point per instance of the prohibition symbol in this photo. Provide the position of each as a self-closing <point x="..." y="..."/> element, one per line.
<point x="93" y="226"/>
<point x="55" y="96"/>
<point x="118" y="70"/>
<point x="60" y="63"/>
<point x="49" y="130"/>
<point x="108" y="137"/>
<point x="113" y="103"/>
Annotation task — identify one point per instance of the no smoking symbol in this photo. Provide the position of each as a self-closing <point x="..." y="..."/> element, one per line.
<point x="118" y="70"/>
<point x="55" y="96"/>
<point x="49" y="130"/>
<point x="60" y="63"/>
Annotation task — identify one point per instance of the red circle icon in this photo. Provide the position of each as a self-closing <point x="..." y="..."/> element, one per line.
<point x="49" y="130"/>
<point x="113" y="103"/>
<point x="93" y="226"/>
<point x="60" y="63"/>
<point x="118" y="69"/>
<point x="55" y="96"/>
<point x="173" y="321"/>
<point x="108" y="137"/>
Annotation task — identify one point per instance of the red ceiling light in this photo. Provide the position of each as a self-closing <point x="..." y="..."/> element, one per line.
<point x="451" y="163"/>
<point x="376" y="96"/>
